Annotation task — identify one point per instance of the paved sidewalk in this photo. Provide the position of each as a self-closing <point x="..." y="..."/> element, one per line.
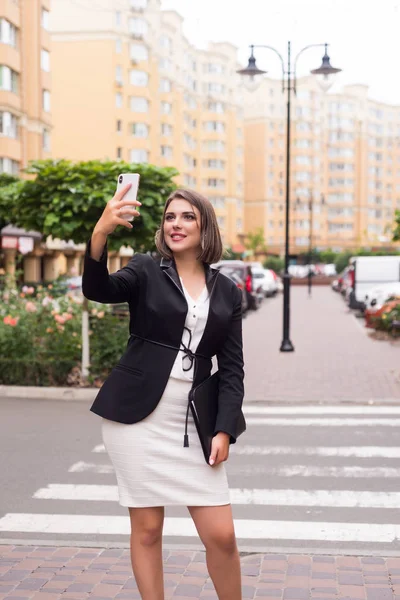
<point x="49" y="573"/>
<point x="334" y="360"/>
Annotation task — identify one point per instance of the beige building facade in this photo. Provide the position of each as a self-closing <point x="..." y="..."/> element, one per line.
<point x="128" y="85"/>
<point x="25" y="108"/>
<point x="345" y="159"/>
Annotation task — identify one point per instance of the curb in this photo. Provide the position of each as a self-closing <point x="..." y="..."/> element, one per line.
<point x="28" y="392"/>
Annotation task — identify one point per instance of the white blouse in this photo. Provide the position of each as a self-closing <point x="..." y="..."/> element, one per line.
<point x="196" y="320"/>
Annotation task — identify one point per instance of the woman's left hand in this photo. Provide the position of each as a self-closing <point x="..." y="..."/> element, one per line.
<point x="219" y="448"/>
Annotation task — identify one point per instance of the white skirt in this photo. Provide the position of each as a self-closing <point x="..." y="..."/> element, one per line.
<point x="151" y="464"/>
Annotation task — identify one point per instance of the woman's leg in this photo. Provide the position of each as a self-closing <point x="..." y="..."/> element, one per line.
<point x="146" y="551"/>
<point x="215" y="527"/>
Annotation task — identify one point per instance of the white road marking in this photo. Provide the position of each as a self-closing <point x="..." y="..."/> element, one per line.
<point x="327" y="471"/>
<point x="285" y="471"/>
<point x="262" y="497"/>
<point x="341" y="422"/>
<point x="341" y="451"/>
<point x="321" y="410"/>
<point x="82" y="466"/>
<point x="184" y="527"/>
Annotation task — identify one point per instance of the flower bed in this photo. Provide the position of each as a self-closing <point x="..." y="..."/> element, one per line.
<point x="40" y="338"/>
<point x="388" y="319"/>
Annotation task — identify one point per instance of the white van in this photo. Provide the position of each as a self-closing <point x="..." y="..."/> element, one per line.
<point x="367" y="272"/>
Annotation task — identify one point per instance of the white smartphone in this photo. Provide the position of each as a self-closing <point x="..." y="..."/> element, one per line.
<point x="131" y="194"/>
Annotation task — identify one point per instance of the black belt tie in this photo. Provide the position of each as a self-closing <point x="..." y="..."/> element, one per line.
<point x="187" y="353"/>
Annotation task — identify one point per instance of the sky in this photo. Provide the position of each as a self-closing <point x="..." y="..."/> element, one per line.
<point x="363" y="35"/>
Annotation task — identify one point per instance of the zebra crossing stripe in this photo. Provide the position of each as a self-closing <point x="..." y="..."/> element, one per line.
<point x="262" y="497"/>
<point x="328" y="422"/>
<point x="342" y="451"/>
<point x="336" y="409"/>
<point x="184" y="527"/>
<point x="282" y="471"/>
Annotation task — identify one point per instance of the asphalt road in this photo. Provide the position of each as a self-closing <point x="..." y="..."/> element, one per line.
<point x="310" y="478"/>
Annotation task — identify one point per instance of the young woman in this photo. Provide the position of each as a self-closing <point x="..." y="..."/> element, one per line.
<point x="182" y="313"/>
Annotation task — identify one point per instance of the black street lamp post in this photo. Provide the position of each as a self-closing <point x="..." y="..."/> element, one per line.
<point x="325" y="70"/>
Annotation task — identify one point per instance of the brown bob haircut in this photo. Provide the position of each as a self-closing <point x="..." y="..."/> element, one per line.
<point x="210" y="237"/>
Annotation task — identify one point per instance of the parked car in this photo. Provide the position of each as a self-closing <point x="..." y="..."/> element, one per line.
<point x="234" y="276"/>
<point x="367" y="272"/>
<point x="379" y="295"/>
<point x="244" y="271"/>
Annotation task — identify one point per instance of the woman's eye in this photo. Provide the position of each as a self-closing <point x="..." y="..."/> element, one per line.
<point x="190" y="217"/>
<point x="168" y="217"/>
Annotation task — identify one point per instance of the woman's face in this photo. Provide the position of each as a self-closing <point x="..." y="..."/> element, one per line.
<point x="182" y="226"/>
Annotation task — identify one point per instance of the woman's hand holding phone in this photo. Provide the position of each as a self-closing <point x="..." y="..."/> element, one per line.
<point x="116" y="209"/>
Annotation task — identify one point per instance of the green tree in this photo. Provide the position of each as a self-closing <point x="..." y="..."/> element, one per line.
<point x="65" y="200"/>
<point x="275" y="263"/>
<point x="255" y="242"/>
<point x="396" y="232"/>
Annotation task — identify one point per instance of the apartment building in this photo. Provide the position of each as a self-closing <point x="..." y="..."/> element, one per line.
<point x="25" y="83"/>
<point x="25" y="110"/>
<point x="128" y="85"/>
<point x="345" y="158"/>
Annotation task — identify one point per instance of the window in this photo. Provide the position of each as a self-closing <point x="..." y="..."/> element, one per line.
<point x="119" y="152"/>
<point x="214" y="146"/>
<point x="217" y="201"/>
<point x="216" y="87"/>
<point x="45" y="60"/>
<point x="214" y="68"/>
<point x="166" y="151"/>
<point x="8" y="125"/>
<point x="139" y="156"/>
<point x="46" y="140"/>
<point x="46" y="100"/>
<point x="165" y="64"/>
<point x="166" y="129"/>
<point x="118" y="100"/>
<point x="118" y="46"/>
<point x="139" y="78"/>
<point x="8" y="165"/>
<point x="214" y="163"/>
<point x="8" y="33"/>
<point x="165" y="85"/>
<point x="118" y="74"/>
<point x="139" y="52"/>
<point x="214" y="126"/>
<point x="214" y="182"/>
<point x="118" y="18"/>
<point x="138" y="4"/>
<point x="138" y="27"/>
<point x="218" y="107"/>
<point x="239" y="224"/>
<point x="45" y="19"/>
<point x="166" y="108"/>
<point x="8" y="79"/>
<point x="140" y="130"/>
<point x="119" y="125"/>
<point x="165" y="42"/>
<point x="221" y="222"/>
<point x="139" y="104"/>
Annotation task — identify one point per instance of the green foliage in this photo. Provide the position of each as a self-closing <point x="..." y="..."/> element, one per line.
<point x="389" y="320"/>
<point x="396" y="231"/>
<point x="40" y="337"/>
<point x="342" y="260"/>
<point x="255" y="241"/>
<point x="229" y="254"/>
<point x="275" y="263"/>
<point x="8" y="185"/>
<point x="65" y="200"/>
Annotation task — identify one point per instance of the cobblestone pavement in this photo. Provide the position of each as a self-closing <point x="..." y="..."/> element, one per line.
<point x="49" y="573"/>
<point x="334" y="360"/>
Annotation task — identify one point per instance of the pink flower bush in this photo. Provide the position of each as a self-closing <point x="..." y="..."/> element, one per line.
<point x="9" y="320"/>
<point x="30" y="307"/>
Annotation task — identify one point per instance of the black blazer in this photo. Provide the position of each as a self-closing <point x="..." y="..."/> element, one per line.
<point x="158" y="311"/>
